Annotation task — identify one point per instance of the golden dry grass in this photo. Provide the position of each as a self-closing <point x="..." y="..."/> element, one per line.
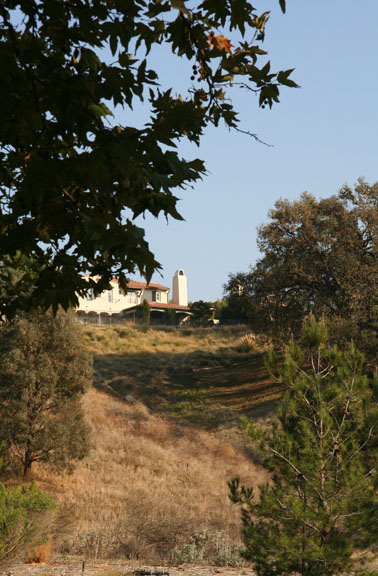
<point x="131" y="338"/>
<point x="154" y="486"/>
<point x="40" y="554"/>
<point x="148" y="486"/>
<point x="202" y="376"/>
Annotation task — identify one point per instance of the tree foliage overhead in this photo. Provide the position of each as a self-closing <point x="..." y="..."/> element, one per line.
<point x="318" y="256"/>
<point x="44" y="370"/>
<point x="72" y="180"/>
<point x="321" y="503"/>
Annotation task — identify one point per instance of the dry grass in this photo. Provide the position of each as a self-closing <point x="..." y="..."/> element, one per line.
<point x="40" y="554"/>
<point x="149" y="485"/>
<point x="202" y="376"/>
<point x="165" y="340"/>
<point x="154" y="486"/>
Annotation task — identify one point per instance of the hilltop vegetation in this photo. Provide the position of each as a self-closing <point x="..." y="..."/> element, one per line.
<point x="318" y="257"/>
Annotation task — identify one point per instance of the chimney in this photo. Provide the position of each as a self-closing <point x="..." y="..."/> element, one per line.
<point x="179" y="289"/>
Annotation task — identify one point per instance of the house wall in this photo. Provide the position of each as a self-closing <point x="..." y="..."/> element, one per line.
<point x="114" y="301"/>
<point x="155" y="296"/>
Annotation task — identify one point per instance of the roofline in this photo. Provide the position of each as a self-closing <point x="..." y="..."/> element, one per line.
<point x="137" y="285"/>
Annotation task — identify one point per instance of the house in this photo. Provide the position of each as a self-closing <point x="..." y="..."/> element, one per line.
<point x="115" y="304"/>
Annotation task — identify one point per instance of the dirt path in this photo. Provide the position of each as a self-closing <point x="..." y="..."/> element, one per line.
<point x="74" y="567"/>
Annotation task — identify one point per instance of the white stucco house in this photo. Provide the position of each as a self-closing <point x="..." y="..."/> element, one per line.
<point x="115" y="303"/>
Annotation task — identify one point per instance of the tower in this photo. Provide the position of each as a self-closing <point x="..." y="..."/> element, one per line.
<point x="179" y="289"/>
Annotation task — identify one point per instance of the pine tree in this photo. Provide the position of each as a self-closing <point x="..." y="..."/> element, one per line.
<point x="321" y="502"/>
<point x="44" y="370"/>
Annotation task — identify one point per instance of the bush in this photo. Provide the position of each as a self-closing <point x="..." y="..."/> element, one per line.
<point x="25" y="515"/>
<point x="210" y="547"/>
<point x="145" y="313"/>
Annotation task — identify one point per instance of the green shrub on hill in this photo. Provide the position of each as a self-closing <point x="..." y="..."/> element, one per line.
<point x="24" y="519"/>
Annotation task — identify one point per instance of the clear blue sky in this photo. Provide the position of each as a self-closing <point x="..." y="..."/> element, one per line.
<point x="323" y="135"/>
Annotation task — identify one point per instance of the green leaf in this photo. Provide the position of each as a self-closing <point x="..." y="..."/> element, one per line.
<point x="283" y="5"/>
<point x="68" y="189"/>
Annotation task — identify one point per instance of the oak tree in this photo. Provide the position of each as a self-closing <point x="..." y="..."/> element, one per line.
<point x="72" y="178"/>
<point x="238" y="299"/>
<point x="318" y="256"/>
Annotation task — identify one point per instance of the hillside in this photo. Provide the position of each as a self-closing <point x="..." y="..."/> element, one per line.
<point x="164" y="414"/>
<point x="148" y="487"/>
<point x="203" y="376"/>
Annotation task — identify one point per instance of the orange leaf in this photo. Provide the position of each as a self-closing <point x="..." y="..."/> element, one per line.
<point x="220" y="42"/>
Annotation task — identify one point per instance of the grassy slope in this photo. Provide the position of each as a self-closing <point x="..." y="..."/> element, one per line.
<point x="208" y="377"/>
<point x="154" y="486"/>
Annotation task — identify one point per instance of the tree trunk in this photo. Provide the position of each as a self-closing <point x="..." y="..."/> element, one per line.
<point x="27" y="462"/>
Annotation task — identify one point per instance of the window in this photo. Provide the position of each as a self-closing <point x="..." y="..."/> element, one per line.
<point x="110" y="295"/>
<point x="90" y="295"/>
<point x="155" y="296"/>
<point x="131" y="298"/>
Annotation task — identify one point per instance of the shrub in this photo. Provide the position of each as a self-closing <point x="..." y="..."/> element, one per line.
<point x="212" y="547"/>
<point x="24" y="519"/>
<point x="145" y="312"/>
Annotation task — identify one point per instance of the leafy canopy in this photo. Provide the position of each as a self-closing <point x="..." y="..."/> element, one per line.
<point x="318" y="256"/>
<point x="321" y="503"/>
<point x="73" y="180"/>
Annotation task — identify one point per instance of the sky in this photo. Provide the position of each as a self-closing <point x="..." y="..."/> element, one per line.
<point x="322" y="135"/>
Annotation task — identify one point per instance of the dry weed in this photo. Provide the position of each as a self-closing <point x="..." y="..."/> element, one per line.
<point x="158" y="340"/>
<point x="148" y="486"/>
<point x="151" y="486"/>
<point x="40" y="554"/>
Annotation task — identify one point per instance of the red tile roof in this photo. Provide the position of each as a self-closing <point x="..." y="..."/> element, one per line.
<point x="159" y="306"/>
<point x="173" y="306"/>
<point x="134" y="285"/>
